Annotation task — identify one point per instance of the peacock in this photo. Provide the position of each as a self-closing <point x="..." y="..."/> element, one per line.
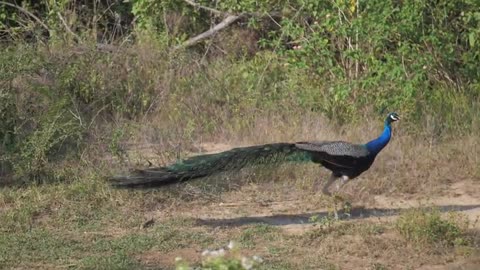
<point x="345" y="160"/>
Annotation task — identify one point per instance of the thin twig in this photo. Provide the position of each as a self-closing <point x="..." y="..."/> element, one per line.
<point x="28" y="13"/>
<point x="228" y="20"/>
<point x="262" y="75"/>
<point x="197" y="5"/>
<point x="273" y="20"/>
<point x="67" y="27"/>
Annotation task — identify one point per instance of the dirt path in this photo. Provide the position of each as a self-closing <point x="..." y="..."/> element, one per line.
<point x="339" y="248"/>
<point x="294" y="215"/>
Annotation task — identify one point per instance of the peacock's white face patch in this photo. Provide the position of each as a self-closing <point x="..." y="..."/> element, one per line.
<point x="394" y="117"/>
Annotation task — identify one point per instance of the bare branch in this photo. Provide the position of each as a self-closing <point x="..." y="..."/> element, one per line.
<point x="28" y="13"/>
<point x="67" y="27"/>
<point x="103" y="47"/>
<point x="226" y="22"/>
<point x="197" y="5"/>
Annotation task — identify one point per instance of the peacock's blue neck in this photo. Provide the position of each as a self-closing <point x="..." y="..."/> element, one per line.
<point x="375" y="146"/>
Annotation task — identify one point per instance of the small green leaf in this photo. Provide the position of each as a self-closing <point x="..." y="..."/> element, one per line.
<point x="472" y="39"/>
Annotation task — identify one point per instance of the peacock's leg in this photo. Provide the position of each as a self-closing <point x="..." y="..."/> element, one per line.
<point x="328" y="184"/>
<point x="344" y="181"/>
<point x="346" y="205"/>
<point x="325" y="191"/>
<point x="340" y="184"/>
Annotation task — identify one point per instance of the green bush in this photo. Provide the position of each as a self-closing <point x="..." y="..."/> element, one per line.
<point x="36" y="122"/>
<point x="51" y="101"/>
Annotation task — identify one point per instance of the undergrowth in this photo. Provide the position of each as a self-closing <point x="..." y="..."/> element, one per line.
<point x="55" y="106"/>
<point x="428" y="227"/>
<point x="64" y="82"/>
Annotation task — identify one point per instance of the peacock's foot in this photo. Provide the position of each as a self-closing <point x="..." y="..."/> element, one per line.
<point x="335" y="208"/>
<point x="335" y="215"/>
<point x="342" y="205"/>
<point x="347" y="208"/>
<point x="332" y="213"/>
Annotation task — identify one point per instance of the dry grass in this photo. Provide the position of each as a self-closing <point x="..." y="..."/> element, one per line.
<point x="83" y="223"/>
<point x="408" y="165"/>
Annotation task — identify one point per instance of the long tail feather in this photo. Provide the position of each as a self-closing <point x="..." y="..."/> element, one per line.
<point x="205" y="165"/>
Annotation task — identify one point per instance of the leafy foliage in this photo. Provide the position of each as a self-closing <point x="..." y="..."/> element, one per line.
<point x="337" y="58"/>
<point x="383" y="55"/>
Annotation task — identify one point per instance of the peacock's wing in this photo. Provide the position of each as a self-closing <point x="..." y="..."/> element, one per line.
<point x="338" y="153"/>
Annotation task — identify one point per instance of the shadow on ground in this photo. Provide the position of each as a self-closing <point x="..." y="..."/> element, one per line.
<point x="356" y="213"/>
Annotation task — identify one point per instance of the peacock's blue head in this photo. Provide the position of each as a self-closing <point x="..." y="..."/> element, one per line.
<point x="392" y="117"/>
<point x="375" y="146"/>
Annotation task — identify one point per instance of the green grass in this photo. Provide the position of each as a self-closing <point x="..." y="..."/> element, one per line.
<point x="86" y="249"/>
<point x="250" y="236"/>
<point x="427" y="226"/>
<point x="88" y="225"/>
<point x="41" y="245"/>
<point x="116" y="260"/>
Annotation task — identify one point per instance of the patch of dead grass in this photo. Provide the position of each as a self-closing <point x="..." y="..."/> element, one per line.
<point x="86" y="210"/>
